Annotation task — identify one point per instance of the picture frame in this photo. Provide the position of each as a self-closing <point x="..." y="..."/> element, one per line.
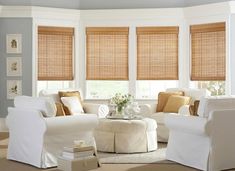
<point x="14" y="66"/>
<point x="14" y="43"/>
<point x="14" y="88"/>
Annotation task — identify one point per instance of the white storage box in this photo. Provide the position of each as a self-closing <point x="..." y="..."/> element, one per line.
<point x="81" y="164"/>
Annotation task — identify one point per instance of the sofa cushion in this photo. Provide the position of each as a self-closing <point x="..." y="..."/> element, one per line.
<point x="208" y="104"/>
<point x="45" y="105"/>
<point x="73" y="104"/>
<point x="163" y="98"/>
<point x="158" y="117"/>
<point x="175" y="102"/>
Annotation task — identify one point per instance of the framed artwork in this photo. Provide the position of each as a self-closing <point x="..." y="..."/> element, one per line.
<point x="14" y="66"/>
<point x="14" y="43"/>
<point x="14" y="88"/>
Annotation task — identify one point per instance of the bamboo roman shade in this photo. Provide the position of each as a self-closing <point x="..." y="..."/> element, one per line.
<point x="208" y="52"/>
<point x="157" y="53"/>
<point x="55" y="53"/>
<point x="107" y="53"/>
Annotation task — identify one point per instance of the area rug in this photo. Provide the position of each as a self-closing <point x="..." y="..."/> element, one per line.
<point x="158" y="156"/>
<point x="3" y="148"/>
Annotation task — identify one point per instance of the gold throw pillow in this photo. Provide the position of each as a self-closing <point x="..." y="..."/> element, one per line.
<point x="175" y="102"/>
<point x="60" y="110"/>
<point x="163" y="98"/>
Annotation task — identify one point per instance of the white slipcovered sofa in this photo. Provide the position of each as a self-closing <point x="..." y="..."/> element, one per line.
<point x="205" y="142"/>
<point x="94" y="108"/>
<point x="149" y="110"/>
<point x="37" y="137"/>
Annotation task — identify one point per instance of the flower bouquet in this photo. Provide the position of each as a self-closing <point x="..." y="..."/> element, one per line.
<point x="121" y="101"/>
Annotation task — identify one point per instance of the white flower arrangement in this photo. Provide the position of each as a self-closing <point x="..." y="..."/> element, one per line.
<point x="121" y="101"/>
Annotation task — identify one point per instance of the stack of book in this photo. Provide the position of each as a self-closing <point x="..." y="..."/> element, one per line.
<point x="78" y="152"/>
<point x="78" y="158"/>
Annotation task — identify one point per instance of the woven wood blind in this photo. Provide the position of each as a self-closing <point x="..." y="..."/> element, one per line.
<point x="107" y="53"/>
<point x="157" y="53"/>
<point x="55" y="53"/>
<point x="208" y="52"/>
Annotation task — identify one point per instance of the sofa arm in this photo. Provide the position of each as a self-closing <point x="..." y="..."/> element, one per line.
<point x="30" y="120"/>
<point x="63" y="125"/>
<point x="101" y="110"/>
<point x="147" y="109"/>
<point x="187" y="124"/>
<point x="27" y="128"/>
<point x="184" y="110"/>
<point x="91" y="108"/>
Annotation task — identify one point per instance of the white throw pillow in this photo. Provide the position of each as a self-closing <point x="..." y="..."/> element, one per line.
<point x="45" y="105"/>
<point x="73" y="104"/>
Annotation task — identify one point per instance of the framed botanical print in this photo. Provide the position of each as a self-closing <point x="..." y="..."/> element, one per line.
<point x="14" y="66"/>
<point x="14" y="88"/>
<point x="14" y="43"/>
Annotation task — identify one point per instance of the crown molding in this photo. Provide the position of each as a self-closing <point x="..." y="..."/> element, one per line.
<point x="216" y="9"/>
<point x="38" y="12"/>
<point x="232" y="6"/>
<point x="128" y="14"/>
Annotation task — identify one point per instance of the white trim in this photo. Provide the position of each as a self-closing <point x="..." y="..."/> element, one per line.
<point x="232" y="6"/>
<point x="132" y="53"/>
<point x="82" y="60"/>
<point x="184" y="56"/>
<point x="207" y="10"/>
<point x="16" y="11"/>
<point x="39" y="12"/>
<point x="34" y="58"/>
<point x="132" y="14"/>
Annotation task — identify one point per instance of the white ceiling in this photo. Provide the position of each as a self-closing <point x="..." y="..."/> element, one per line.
<point x="109" y="4"/>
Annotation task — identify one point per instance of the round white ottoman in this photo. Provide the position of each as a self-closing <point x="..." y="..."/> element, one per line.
<point x="126" y="136"/>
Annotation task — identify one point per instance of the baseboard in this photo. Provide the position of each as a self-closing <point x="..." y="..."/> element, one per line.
<point x="3" y="127"/>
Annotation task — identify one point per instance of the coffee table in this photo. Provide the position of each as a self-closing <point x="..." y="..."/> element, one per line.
<point x="126" y="136"/>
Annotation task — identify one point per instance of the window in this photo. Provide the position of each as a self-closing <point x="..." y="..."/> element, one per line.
<point x="149" y="89"/>
<point x="54" y="85"/>
<point x="107" y="60"/>
<point x="157" y="60"/>
<point x="55" y="57"/>
<point x="104" y="89"/>
<point x="208" y="57"/>
<point x="215" y="87"/>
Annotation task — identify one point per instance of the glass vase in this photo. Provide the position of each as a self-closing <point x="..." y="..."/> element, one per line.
<point x="120" y="110"/>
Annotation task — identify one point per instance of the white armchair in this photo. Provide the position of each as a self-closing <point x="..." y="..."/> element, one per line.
<point x="205" y="142"/>
<point x="150" y="110"/>
<point x="38" y="140"/>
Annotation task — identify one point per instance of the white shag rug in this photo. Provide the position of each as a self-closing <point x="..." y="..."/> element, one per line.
<point x="158" y="156"/>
